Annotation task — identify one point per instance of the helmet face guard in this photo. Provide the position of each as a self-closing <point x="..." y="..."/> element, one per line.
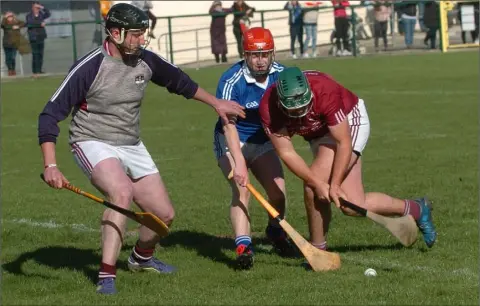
<point x="125" y="45"/>
<point x="258" y="45"/>
<point x="251" y="56"/>
<point x="294" y="93"/>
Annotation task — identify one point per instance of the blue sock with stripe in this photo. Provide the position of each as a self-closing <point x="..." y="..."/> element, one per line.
<point x="243" y="240"/>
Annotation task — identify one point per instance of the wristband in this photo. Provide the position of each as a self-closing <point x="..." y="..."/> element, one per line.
<point x="50" y="165"/>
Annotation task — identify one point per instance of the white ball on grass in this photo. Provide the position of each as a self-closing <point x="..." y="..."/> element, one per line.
<point x="370" y="272"/>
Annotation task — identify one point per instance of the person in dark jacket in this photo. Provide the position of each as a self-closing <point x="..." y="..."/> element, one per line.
<point x="37" y="35"/>
<point x="295" y="21"/>
<point x="431" y="20"/>
<point x="241" y="13"/>
<point x="13" y="40"/>
<point x="218" y="39"/>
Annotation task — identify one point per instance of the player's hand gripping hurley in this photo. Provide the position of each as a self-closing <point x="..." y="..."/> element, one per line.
<point x="145" y="218"/>
<point x="319" y="260"/>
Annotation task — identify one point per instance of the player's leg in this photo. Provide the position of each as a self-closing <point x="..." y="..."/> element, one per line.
<point x="383" y="204"/>
<point x="319" y="211"/>
<point x="377" y="202"/>
<point x="100" y="163"/>
<point x="150" y="194"/>
<point x="239" y="216"/>
<point x="267" y="169"/>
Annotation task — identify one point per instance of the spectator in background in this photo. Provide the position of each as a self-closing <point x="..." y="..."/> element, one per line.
<point x="218" y="38"/>
<point x="37" y="35"/>
<point x="147" y="7"/>
<point x="295" y="20"/>
<point x="310" y="20"/>
<point x="241" y="12"/>
<point x="431" y="20"/>
<point x="13" y="40"/>
<point x="397" y="5"/>
<point x="409" y="19"/>
<point x="383" y="11"/>
<point x="341" y="26"/>
<point x="370" y="16"/>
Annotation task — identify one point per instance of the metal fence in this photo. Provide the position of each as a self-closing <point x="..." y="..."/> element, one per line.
<point x="186" y="39"/>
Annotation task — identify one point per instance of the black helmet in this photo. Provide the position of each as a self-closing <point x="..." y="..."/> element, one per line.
<point x="126" y="16"/>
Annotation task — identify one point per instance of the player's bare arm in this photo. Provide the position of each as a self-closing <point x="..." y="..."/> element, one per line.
<point x="341" y="134"/>
<point x="222" y="107"/>
<point x="240" y="172"/>
<point x="52" y="175"/>
<point x="284" y="147"/>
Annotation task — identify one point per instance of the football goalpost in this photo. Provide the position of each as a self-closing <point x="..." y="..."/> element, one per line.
<point x="454" y="36"/>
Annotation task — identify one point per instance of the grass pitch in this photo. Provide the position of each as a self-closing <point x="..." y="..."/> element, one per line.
<point x="424" y="116"/>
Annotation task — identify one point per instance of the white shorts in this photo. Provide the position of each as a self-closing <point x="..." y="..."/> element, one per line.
<point x="359" y="129"/>
<point x="251" y="151"/>
<point x="136" y="160"/>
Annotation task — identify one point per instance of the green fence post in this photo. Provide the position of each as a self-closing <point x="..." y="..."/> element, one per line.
<point x="354" y="34"/>
<point x="74" y="42"/>
<point x="170" y="38"/>
<point x="262" y="20"/>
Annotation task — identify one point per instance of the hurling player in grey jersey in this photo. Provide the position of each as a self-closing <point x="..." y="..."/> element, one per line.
<point x="105" y="89"/>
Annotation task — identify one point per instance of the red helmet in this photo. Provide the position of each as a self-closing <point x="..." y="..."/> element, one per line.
<point x="258" y="40"/>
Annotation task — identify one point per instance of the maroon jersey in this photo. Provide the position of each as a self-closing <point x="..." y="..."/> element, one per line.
<point x="331" y="104"/>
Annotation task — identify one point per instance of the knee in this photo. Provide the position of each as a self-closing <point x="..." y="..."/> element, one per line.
<point x="348" y="212"/>
<point x="241" y="196"/>
<point x="277" y="197"/>
<point x="351" y="213"/>
<point x="168" y="216"/>
<point x="122" y="197"/>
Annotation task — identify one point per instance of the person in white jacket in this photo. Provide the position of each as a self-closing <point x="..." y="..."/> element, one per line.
<point x="310" y="20"/>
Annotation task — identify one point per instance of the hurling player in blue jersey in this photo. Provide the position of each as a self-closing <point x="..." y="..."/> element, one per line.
<point x="242" y="144"/>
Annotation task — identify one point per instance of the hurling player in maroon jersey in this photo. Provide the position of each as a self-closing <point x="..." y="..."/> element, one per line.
<point x="335" y="123"/>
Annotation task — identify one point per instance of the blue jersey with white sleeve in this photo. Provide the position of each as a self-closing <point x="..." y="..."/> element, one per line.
<point x="237" y="84"/>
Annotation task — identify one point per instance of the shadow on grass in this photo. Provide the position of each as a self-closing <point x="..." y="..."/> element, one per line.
<point x="214" y="247"/>
<point x="59" y="257"/>
<point x="210" y="246"/>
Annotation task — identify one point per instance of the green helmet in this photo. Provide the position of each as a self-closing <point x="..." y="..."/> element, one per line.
<point x="294" y="93"/>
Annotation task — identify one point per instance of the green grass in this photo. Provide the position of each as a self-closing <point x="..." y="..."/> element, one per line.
<point x="423" y="112"/>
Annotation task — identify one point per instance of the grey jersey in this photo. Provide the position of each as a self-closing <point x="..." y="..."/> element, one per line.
<point x="106" y="95"/>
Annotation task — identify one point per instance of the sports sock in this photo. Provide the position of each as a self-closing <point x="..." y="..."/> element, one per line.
<point x="243" y="240"/>
<point x="321" y="246"/>
<point x="107" y="271"/>
<point x="412" y="208"/>
<point x="142" y="255"/>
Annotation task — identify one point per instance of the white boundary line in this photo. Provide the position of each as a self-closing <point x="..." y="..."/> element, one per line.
<point x="52" y="224"/>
